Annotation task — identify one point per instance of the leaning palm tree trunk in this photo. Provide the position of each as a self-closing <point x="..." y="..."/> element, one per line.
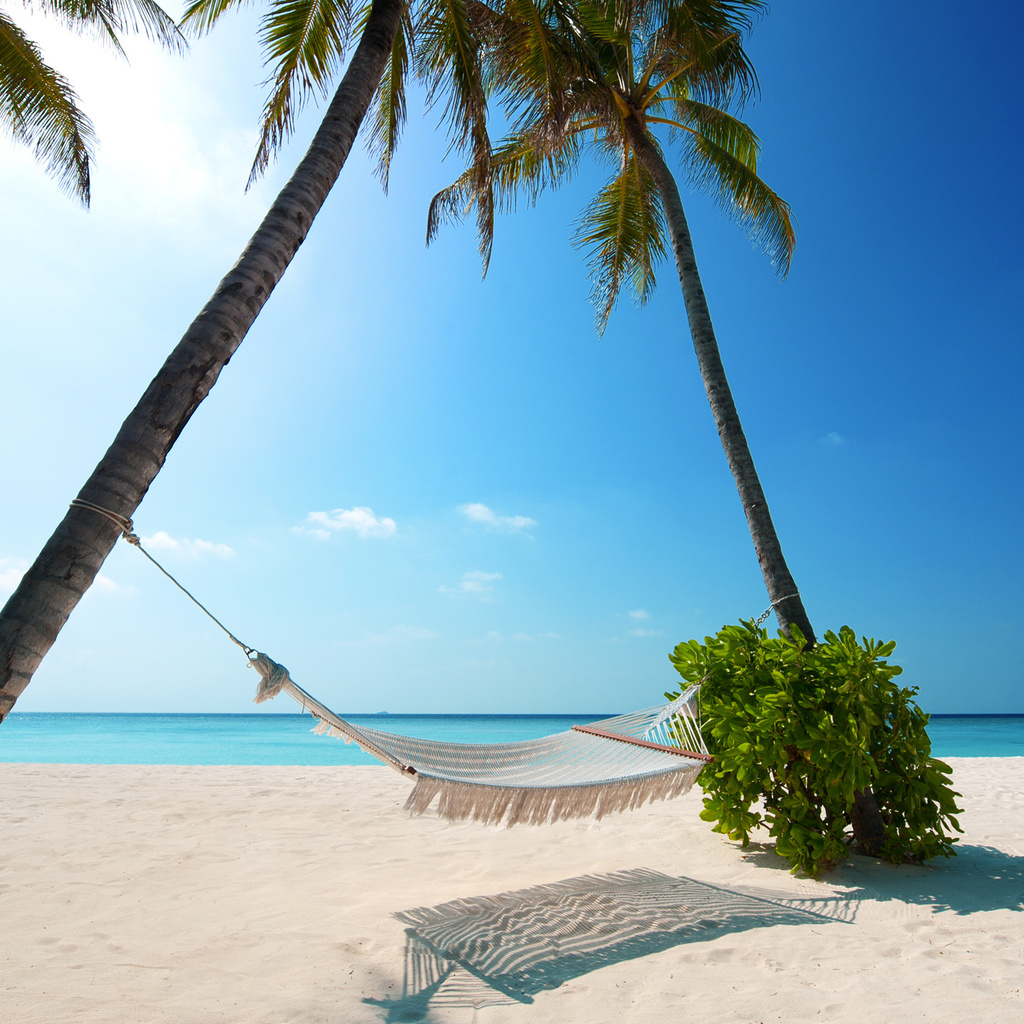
<point x="67" y="565"/>
<point x="782" y="592"/>
<point x="865" y="816"/>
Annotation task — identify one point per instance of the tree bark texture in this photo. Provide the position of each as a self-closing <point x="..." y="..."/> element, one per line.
<point x="68" y="563"/>
<point x="867" y="822"/>
<point x="782" y="591"/>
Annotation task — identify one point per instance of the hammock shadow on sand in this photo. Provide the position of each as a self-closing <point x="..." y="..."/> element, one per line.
<point x="493" y="950"/>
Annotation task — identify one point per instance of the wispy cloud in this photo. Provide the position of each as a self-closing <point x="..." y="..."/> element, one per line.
<point x="494" y="637"/>
<point x="473" y="583"/>
<point x="395" y="635"/>
<point x="359" y="520"/>
<point x="105" y="584"/>
<point x="11" y="571"/>
<point x="638" y="632"/>
<point x="477" y="513"/>
<point x="831" y="440"/>
<point x="197" y="548"/>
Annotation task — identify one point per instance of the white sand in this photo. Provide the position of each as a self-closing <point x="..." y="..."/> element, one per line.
<point x="267" y="895"/>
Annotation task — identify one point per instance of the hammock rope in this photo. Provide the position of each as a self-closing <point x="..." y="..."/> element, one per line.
<point x="616" y="764"/>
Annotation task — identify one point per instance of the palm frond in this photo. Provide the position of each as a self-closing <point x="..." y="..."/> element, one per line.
<point x="201" y="15"/>
<point x="40" y="110"/>
<point x="525" y="164"/>
<point x="563" y="68"/>
<point x="529" y="63"/>
<point x="305" y="42"/>
<point x="520" y="166"/>
<point x="447" y="60"/>
<point x="113" y="19"/>
<point x="623" y="233"/>
<point x="705" y="39"/>
<point x="388" y="113"/>
<point x="450" y="205"/>
<point x="745" y="197"/>
<point x="719" y="127"/>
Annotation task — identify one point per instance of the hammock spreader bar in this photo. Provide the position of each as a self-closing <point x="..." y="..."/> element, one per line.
<point x="591" y="770"/>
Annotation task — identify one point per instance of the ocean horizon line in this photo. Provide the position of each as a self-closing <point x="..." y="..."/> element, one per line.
<point x="286" y="737"/>
<point x="444" y="714"/>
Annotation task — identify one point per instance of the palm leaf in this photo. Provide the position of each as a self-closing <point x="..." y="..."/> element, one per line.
<point x="450" y="205"/>
<point x="623" y="233"/>
<point x="388" y="114"/>
<point x="525" y="164"/>
<point x="447" y="60"/>
<point x="703" y="39"/>
<point x="40" y="109"/>
<point x="718" y="126"/>
<point x="201" y="15"/>
<point x="112" y="19"/>
<point x="745" y="197"/>
<point x="520" y="165"/>
<point x="305" y="42"/>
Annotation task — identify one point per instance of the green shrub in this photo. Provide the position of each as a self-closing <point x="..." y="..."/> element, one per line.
<point x="796" y="733"/>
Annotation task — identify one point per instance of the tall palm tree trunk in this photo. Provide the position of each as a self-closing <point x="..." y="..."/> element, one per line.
<point x="865" y="816"/>
<point x="68" y="563"/>
<point x="782" y="591"/>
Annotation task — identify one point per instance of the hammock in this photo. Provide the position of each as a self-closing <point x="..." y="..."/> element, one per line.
<point x="613" y="765"/>
<point x="616" y="764"/>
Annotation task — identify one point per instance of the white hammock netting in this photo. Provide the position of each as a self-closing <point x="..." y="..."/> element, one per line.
<point x="616" y="764"/>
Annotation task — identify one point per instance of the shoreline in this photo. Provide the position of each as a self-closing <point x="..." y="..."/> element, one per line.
<point x="301" y="894"/>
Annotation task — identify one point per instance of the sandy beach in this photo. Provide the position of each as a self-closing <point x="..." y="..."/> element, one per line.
<point x="293" y="895"/>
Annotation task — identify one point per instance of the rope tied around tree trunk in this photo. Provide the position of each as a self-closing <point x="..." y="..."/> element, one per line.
<point x="127" y="529"/>
<point x="764" y="615"/>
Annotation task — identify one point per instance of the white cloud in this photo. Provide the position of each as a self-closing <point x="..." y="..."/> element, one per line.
<point x="105" y="583"/>
<point x="401" y="634"/>
<point x="477" y="513"/>
<point x="644" y="632"/>
<point x="318" y="534"/>
<point x="360" y="520"/>
<point x="11" y="571"/>
<point x="522" y="638"/>
<point x="476" y="583"/>
<point x="638" y="613"/>
<point x="831" y="440"/>
<point x="162" y="541"/>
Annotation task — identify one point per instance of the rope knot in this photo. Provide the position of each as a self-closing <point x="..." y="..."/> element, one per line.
<point x="275" y="677"/>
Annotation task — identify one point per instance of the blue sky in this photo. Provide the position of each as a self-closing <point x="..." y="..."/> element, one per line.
<point x="426" y="492"/>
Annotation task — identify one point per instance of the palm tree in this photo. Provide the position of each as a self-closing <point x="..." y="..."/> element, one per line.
<point x="602" y="75"/>
<point x="305" y="41"/>
<point x="38" y="106"/>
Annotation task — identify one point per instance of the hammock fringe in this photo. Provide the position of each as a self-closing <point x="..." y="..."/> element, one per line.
<point x="490" y="805"/>
<point x="585" y="772"/>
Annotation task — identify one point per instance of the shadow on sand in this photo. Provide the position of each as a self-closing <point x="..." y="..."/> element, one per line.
<point x="978" y="879"/>
<point x="495" y="950"/>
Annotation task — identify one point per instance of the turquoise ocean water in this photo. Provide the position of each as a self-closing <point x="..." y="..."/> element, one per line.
<point x="73" y="738"/>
